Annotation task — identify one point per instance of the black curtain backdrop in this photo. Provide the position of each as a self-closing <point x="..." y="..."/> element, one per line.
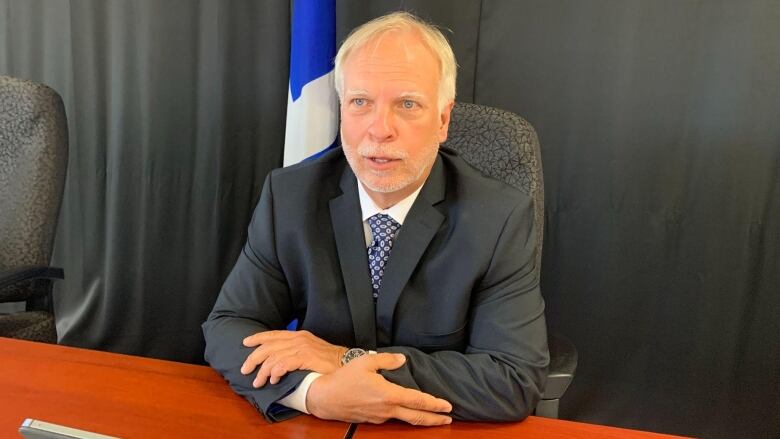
<point x="661" y="152"/>
<point x="176" y="112"/>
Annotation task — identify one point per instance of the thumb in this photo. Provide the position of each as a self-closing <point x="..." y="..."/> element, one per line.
<point x="384" y="360"/>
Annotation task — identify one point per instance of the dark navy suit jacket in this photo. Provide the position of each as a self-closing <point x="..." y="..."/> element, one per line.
<point x="460" y="296"/>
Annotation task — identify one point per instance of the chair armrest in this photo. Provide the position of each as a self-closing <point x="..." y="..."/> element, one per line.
<point x="12" y="277"/>
<point x="563" y="364"/>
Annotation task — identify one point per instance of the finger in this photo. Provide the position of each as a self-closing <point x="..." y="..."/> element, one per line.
<point x="252" y="340"/>
<point x="282" y="367"/>
<point x="263" y="373"/>
<point x="383" y="360"/>
<point x="266" y="336"/>
<point x="268" y="349"/>
<point x="417" y="400"/>
<point x="278" y="359"/>
<point x="257" y="357"/>
<point x="421" y="417"/>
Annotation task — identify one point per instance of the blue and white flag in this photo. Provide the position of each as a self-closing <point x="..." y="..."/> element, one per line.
<point x="312" y="104"/>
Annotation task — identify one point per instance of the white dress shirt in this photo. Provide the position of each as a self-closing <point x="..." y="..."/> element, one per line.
<point x="297" y="399"/>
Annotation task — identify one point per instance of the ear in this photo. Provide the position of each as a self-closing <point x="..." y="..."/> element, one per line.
<point x="444" y="122"/>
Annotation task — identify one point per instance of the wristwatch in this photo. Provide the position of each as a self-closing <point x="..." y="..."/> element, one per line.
<point x="351" y="354"/>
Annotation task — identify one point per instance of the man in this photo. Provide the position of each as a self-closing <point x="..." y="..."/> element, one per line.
<point x="411" y="274"/>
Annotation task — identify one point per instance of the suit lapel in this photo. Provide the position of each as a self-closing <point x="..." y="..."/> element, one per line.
<point x="351" y="244"/>
<point x="420" y="226"/>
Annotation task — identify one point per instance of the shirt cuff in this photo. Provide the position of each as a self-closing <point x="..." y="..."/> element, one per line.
<point x="297" y="399"/>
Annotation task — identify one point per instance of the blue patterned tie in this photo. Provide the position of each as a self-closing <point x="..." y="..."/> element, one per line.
<point x="384" y="230"/>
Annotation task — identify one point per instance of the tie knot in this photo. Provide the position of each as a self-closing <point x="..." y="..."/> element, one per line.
<point x="383" y="226"/>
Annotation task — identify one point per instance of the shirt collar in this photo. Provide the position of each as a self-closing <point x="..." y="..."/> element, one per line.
<point x="397" y="212"/>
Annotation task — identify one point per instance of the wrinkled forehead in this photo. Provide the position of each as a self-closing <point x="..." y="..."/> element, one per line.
<point x="395" y="46"/>
<point x="395" y="62"/>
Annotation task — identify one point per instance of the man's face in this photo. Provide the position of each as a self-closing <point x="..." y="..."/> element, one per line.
<point x="391" y="125"/>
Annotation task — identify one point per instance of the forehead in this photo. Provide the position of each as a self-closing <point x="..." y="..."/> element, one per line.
<point x="393" y="57"/>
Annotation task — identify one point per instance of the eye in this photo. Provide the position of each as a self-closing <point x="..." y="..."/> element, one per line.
<point x="359" y="102"/>
<point x="409" y="104"/>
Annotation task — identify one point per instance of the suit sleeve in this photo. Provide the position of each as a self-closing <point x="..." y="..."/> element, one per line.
<point x="254" y="298"/>
<point x="501" y="373"/>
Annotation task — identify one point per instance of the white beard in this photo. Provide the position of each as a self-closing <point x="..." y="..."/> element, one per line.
<point x="354" y="157"/>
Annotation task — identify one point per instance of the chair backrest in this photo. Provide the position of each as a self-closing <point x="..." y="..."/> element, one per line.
<point x="503" y="146"/>
<point x="33" y="163"/>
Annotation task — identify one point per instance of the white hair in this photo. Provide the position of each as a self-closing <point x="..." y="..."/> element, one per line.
<point x="402" y="21"/>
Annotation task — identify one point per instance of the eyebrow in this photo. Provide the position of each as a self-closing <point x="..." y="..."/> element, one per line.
<point x="411" y="94"/>
<point x="357" y="91"/>
<point x="402" y="95"/>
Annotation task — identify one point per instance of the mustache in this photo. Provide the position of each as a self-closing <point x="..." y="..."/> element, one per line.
<point x="385" y="151"/>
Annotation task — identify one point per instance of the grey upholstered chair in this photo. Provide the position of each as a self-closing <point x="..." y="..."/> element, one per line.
<point x="504" y="146"/>
<point x="33" y="162"/>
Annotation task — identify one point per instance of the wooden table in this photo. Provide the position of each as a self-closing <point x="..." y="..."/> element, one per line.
<point x="127" y="396"/>
<point x="532" y="428"/>
<point x="131" y="397"/>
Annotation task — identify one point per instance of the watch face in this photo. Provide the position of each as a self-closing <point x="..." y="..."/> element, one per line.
<point x="352" y="354"/>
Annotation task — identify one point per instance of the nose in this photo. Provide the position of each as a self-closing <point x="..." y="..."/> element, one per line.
<point x="382" y="128"/>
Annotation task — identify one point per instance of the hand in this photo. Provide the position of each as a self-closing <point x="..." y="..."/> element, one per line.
<point x="285" y="351"/>
<point x="357" y="393"/>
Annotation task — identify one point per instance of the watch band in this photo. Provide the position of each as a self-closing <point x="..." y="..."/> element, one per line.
<point x="351" y="354"/>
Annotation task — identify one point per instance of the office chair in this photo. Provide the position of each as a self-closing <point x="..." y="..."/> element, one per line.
<point x="33" y="162"/>
<point x="504" y="146"/>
